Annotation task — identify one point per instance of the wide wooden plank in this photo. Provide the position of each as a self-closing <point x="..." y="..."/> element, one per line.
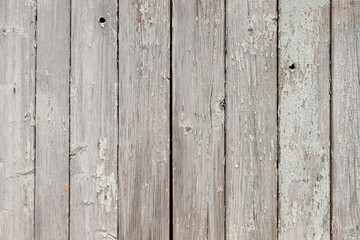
<point x="52" y="120"/>
<point x="93" y="120"/>
<point x="304" y="136"/>
<point x="144" y="96"/>
<point x="198" y="119"/>
<point x="17" y="118"/>
<point x="345" y="116"/>
<point x="251" y="120"/>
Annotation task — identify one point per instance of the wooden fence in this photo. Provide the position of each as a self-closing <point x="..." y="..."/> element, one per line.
<point x="183" y="119"/>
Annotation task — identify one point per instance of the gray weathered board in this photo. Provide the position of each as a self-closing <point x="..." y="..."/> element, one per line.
<point x="183" y="119"/>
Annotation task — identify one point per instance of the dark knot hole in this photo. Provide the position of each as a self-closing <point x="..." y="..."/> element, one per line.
<point x="102" y="20"/>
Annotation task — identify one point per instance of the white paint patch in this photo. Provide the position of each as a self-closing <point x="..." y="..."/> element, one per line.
<point x="31" y="3"/>
<point x="106" y="187"/>
<point x="102" y="148"/>
<point x="45" y="72"/>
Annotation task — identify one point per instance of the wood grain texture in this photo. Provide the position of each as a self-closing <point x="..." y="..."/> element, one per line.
<point x="93" y="120"/>
<point x="17" y="118"/>
<point x="144" y="95"/>
<point x="52" y="120"/>
<point x="198" y="119"/>
<point x="304" y="188"/>
<point x="251" y="120"/>
<point x="345" y="115"/>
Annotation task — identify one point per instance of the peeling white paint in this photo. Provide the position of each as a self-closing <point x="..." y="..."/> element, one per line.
<point x="304" y="150"/>
<point x="31" y="3"/>
<point x="106" y="186"/>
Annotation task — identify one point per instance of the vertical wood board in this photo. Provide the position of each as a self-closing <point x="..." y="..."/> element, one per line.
<point x="304" y="136"/>
<point x="345" y="115"/>
<point x="17" y="118"/>
<point x="52" y="120"/>
<point x="251" y="120"/>
<point x="144" y="95"/>
<point x="93" y="120"/>
<point x="198" y="119"/>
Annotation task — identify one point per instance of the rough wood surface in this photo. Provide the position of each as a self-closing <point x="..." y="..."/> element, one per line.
<point x="93" y="120"/>
<point x="304" y="166"/>
<point x="198" y="119"/>
<point x="17" y="119"/>
<point x="144" y="87"/>
<point x="52" y="120"/>
<point x="89" y="104"/>
<point x="251" y="120"/>
<point x="345" y="115"/>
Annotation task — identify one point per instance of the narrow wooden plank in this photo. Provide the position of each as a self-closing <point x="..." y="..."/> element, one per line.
<point x="304" y="136"/>
<point x="144" y="95"/>
<point x="93" y="120"/>
<point x="251" y="120"/>
<point x="17" y="119"/>
<point x="198" y="119"/>
<point x="345" y="115"/>
<point x="52" y="120"/>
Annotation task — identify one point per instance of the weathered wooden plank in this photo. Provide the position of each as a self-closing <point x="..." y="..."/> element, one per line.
<point x="251" y="120"/>
<point x="52" y="120"/>
<point x="17" y="120"/>
<point x="144" y="95"/>
<point x="345" y="115"/>
<point x="198" y="119"/>
<point x="93" y="120"/>
<point x="304" y="189"/>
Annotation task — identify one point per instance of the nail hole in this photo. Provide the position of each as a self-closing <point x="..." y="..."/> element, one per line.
<point x="292" y="66"/>
<point x="14" y="90"/>
<point x="102" y="20"/>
